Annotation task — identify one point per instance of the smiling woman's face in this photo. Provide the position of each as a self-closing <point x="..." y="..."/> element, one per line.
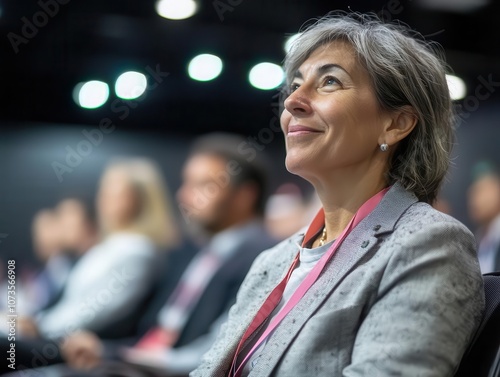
<point x="332" y="121"/>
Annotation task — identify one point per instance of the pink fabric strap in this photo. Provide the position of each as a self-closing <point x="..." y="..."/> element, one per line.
<point x="275" y="296"/>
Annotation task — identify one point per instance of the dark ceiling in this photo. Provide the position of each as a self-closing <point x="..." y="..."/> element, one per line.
<point x="99" y="39"/>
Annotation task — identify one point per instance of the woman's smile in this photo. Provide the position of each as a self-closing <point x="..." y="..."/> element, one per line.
<point x="300" y="130"/>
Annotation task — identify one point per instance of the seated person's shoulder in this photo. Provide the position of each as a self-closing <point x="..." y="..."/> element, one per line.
<point x="422" y="217"/>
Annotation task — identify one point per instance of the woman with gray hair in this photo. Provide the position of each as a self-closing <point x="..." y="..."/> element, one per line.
<point x="380" y="284"/>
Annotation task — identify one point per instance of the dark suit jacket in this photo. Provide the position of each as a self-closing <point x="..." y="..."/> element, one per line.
<point x="220" y="293"/>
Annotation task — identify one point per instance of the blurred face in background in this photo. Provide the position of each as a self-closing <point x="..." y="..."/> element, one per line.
<point x="484" y="199"/>
<point x="118" y="202"/>
<point x="47" y="235"/>
<point x="78" y="233"/>
<point x="206" y="196"/>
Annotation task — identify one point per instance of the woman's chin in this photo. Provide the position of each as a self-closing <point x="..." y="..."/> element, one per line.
<point x="297" y="166"/>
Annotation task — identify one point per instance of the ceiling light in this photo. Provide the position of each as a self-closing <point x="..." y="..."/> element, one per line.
<point x="91" y="94"/>
<point x="266" y="76"/>
<point x="176" y="9"/>
<point x="205" y="67"/>
<point x="130" y="85"/>
<point x="456" y="86"/>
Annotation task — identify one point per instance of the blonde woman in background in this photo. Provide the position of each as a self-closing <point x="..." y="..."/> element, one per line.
<point x="113" y="277"/>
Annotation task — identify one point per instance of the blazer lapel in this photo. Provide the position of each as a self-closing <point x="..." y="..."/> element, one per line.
<point x="356" y="245"/>
<point x="275" y="275"/>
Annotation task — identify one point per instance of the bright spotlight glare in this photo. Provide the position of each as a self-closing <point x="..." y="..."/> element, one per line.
<point x="92" y="94"/>
<point x="456" y="86"/>
<point x="130" y="85"/>
<point x="176" y="9"/>
<point x="266" y="76"/>
<point x="289" y="42"/>
<point x="205" y="67"/>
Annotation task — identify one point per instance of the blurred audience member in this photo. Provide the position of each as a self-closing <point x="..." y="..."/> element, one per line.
<point x="112" y="278"/>
<point x="484" y="210"/>
<point x="37" y="291"/>
<point x="222" y="197"/>
<point x="60" y="236"/>
<point x="77" y="225"/>
<point x="443" y="205"/>
<point x="46" y="235"/>
<point x="288" y="210"/>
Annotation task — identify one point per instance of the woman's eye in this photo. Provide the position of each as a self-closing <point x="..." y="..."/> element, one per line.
<point x="293" y="87"/>
<point x="330" y="80"/>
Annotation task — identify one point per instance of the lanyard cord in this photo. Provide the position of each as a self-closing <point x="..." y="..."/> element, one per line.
<point x="275" y="296"/>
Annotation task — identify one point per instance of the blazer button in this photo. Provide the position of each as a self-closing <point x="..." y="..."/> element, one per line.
<point x="365" y="244"/>
<point x="377" y="227"/>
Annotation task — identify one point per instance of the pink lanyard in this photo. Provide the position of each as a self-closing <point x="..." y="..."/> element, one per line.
<point x="275" y="296"/>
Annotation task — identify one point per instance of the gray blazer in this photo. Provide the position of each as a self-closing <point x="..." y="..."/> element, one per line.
<point x="402" y="296"/>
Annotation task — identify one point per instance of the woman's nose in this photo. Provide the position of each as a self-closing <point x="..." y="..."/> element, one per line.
<point x="298" y="103"/>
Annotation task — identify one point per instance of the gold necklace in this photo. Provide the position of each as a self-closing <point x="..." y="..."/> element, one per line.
<point x="322" y="239"/>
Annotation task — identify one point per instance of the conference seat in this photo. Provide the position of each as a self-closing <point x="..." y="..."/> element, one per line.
<point x="483" y="356"/>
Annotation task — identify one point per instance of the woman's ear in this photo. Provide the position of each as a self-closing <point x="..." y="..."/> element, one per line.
<point x="403" y="122"/>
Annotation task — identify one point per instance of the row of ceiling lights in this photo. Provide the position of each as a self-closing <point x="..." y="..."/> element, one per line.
<point x="131" y="85"/>
<point x="205" y="67"/>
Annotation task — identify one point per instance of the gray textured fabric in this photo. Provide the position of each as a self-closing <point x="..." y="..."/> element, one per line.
<point x="402" y="296"/>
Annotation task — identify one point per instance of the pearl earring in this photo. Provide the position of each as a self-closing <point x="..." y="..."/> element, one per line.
<point x="384" y="147"/>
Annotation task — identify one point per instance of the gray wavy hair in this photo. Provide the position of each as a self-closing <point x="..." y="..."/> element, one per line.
<point x="405" y="71"/>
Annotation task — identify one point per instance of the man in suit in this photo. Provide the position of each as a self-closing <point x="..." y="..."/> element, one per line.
<point x="221" y="199"/>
